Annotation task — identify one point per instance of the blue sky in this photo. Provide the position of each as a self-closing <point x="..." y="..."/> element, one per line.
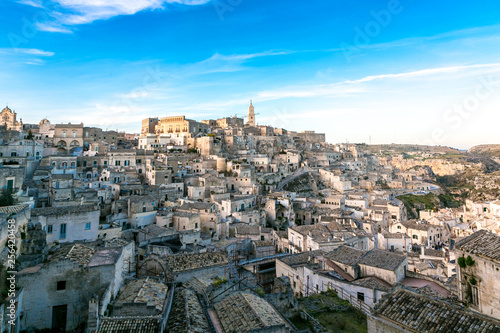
<point x="409" y="71"/>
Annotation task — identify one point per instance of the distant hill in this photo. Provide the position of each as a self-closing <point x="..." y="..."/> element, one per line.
<point x="408" y="148"/>
<point x="485" y="150"/>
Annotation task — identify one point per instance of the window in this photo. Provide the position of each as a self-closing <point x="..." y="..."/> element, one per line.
<point x="196" y="225"/>
<point x="415" y="236"/>
<point x="64" y="134"/>
<point x="84" y="163"/>
<point x="261" y="238"/>
<point x="117" y="163"/>
<point x="73" y="134"/>
<point x="61" y="285"/>
<point x="87" y="226"/>
<point x="399" y="227"/>
<point x="127" y="162"/>
<point x="49" y="229"/>
<point x="475" y="296"/>
<point x="361" y="296"/>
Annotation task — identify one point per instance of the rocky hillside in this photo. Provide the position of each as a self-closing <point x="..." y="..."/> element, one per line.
<point x="485" y="150"/>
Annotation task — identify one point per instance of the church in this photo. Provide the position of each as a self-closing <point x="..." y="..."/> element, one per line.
<point x="8" y="119"/>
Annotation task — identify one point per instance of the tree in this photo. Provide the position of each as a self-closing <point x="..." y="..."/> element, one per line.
<point x="30" y="135"/>
<point x="6" y="198"/>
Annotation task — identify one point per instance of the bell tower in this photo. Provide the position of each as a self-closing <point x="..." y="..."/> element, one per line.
<point x="251" y="115"/>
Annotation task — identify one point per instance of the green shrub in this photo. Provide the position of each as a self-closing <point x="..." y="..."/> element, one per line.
<point x="473" y="281"/>
<point x="461" y="262"/>
<point x="469" y="261"/>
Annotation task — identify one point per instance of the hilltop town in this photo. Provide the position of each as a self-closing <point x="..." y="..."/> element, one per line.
<point x="225" y="225"/>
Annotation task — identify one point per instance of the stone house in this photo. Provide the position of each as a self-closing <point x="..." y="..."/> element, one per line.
<point x="53" y="296"/>
<point x="12" y="177"/>
<point x="68" y="224"/>
<point x="421" y="232"/>
<point x="393" y="241"/>
<point x="246" y="311"/>
<point x="425" y="314"/>
<point x="183" y="267"/>
<point x="478" y="280"/>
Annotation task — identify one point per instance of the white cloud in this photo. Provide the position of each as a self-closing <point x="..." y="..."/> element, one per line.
<point x="67" y="13"/>
<point x="360" y="85"/>
<point x="33" y="52"/>
<point x="52" y="27"/>
<point x="227" y="63"/>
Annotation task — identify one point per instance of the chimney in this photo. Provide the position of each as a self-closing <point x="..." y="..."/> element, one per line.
<point x="93" y="319"/>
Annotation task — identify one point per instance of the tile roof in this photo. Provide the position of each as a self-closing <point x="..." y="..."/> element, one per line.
<point x="199" y="283"/>
<point x="434" y="253"/>
<point x="196" y="205"/>
<point x="185" y="262"/>
<point x="346" y="255"/>
<point x="187" y="315"/>
<point x="482" y="243"/>
<point x="107" y="256"/>
<point x="382" y="259"/>
<point x="264" y="243"/>
<point x="422" y="314"/>
<point x="373" y="282"/>
<point x="301" y="258"/>
<point x="387" y="234"/>
<point x="76" y="252"/>
<point x="149" y="291"/>
<point x="243" y="312"/>
<point x="129" y="324"/>
<point x="248" y="229"/>
<point x="412" y="224"/>
<point x="62" y="210"/>
<point x="12" y="209"/>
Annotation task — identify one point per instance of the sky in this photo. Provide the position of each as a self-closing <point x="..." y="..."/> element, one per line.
<point x="408" y="71"/>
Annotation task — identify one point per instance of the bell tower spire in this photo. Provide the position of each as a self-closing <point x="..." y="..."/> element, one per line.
<point x="251" y="115"/>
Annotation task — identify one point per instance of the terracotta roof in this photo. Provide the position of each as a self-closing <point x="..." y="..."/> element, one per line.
<point x="107" y="256"/>
<point x="63" y="210"/>
<point x="301" y="258"/>
<point x="12" y="209"/>
<point x="185" y="262"/>
<point x="243" y="312"/>
<point x="76" y="252"/>
<point x="248" y="230"/>
<point x="373" y="282"/>
<point x="422" y="314"/>
<point x="147" y="290"/>
<point x="346" y="255"/>
<point x="187" y="315"/>
<point x="482" y="243"/>
<point x="382" y="259"/>
<point x="130" y="324"/>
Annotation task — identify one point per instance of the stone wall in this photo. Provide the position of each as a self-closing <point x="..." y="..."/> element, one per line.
<point x="378" y="325"/>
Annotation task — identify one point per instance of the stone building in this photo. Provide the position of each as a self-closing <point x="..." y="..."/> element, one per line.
<point x="12" y="177"/>
<point x="478" y="279"/>
<point x="68" y="224"/>
<point x="23" y="148"/>
<point x="251" y="115"/>
<point x="8" y="118"/>
<point x="68" y="137"/>
<point x="247" y="312"/>
<point x="179" y="125"/>
<point x="53" y="296"/>
<point x="407" y="311"/>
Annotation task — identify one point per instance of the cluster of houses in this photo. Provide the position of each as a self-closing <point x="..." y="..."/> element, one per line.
<point x="220" y="225"/>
